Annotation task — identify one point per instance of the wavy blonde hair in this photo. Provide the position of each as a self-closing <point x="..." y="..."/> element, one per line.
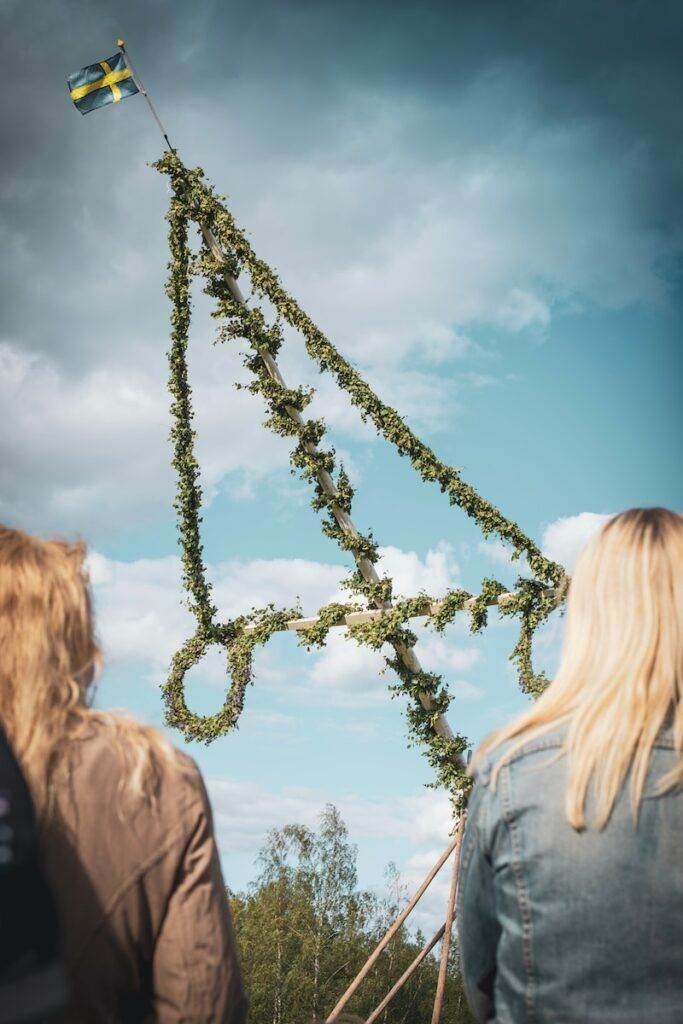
<point x="49" y="661"/>
<point x="621" y="673"/>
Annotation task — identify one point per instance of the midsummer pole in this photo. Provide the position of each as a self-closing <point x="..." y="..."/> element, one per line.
<point x="366" y="568"/>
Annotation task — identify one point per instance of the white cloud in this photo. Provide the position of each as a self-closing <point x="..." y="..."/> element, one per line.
<point x="522" y="309"/>
<point x="444" y="656"/>
<point x="347" y="673"/>
<point x="500" y="555"/>
<point x="96" y="443"/>
<point x="90" y="445"/>
<point x="140" y="611"/>
<point x="239" y="586"/>
<point x="276" y="721"/>
<point x="435" y="574"/>
<point x="422" y="249"/>
<point x="496" y="551"/>
<point x="564" y="539"/>
<point x="140" y="617"/>
<point x="244" y="813"/>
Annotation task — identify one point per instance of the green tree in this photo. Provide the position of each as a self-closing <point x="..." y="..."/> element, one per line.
<point x="304" y="930"/>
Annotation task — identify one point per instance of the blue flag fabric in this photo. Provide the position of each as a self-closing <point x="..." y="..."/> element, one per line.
<point x="108" y="81"/>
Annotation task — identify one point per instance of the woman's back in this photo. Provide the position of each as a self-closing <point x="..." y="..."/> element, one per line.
<point x="127" y="837"/>
<point x="143" y="908"/>
<point x="565" y="926"/>
<point x="571" y="886"/>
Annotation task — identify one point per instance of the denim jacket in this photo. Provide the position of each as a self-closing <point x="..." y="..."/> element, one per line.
<point x="564" y="927"/>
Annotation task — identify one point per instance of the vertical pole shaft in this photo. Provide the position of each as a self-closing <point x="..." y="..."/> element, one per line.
<point x="450" y="915"/>
<point x="136" y="78"/>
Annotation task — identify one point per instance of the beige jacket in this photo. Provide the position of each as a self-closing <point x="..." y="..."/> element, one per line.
<point x="147" y="934"/>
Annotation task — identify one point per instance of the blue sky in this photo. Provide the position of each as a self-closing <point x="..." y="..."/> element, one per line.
<point x="483" y="212"/>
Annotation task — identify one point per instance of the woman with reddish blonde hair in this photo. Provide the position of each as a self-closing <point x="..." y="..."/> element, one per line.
<point x="571" y="881"/>
<point x="126" y="829"/>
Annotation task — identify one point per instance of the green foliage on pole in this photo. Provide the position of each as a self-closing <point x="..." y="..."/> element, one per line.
<point x="195" y="201"/>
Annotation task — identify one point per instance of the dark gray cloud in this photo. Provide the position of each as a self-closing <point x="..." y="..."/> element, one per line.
<point x="415" y="171"/>
<point x="274" y="81"/>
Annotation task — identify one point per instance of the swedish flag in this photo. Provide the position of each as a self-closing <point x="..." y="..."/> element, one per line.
<point x="98" y="84"/>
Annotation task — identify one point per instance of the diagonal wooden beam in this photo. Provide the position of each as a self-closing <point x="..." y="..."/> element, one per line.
<point x="367" y="569"/>
<point x="374" y="956"/>
<point x="408" y="973"/>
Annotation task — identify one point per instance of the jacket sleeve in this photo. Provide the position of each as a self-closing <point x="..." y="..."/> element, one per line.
<point x="196" y="969"/>
<point x="478" y="927"/>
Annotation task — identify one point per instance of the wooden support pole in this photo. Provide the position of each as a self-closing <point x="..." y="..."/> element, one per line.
<point x="450" y="915"/>
<point x="374" y="956"/>
<point x="422" y="955"/>
<point x="405" y="653"/>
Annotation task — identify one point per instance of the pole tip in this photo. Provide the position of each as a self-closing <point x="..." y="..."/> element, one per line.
<point x="121" y="43"/>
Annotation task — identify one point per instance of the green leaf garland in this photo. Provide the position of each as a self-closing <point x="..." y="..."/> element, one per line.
<point x="195" y="201"/>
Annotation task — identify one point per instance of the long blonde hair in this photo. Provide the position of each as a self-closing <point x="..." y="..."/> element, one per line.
<point x="621" y="673"/>
<point x="49" y="661"/>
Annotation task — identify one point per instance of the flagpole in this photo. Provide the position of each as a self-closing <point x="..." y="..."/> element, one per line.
<point x="124" y="53"/>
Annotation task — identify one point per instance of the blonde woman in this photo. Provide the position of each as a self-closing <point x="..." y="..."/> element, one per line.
<point x="571" y="883"/>
<point x="126" y="831"/>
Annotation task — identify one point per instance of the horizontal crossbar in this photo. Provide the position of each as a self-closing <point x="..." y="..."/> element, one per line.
<point x="356" y="618"/>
